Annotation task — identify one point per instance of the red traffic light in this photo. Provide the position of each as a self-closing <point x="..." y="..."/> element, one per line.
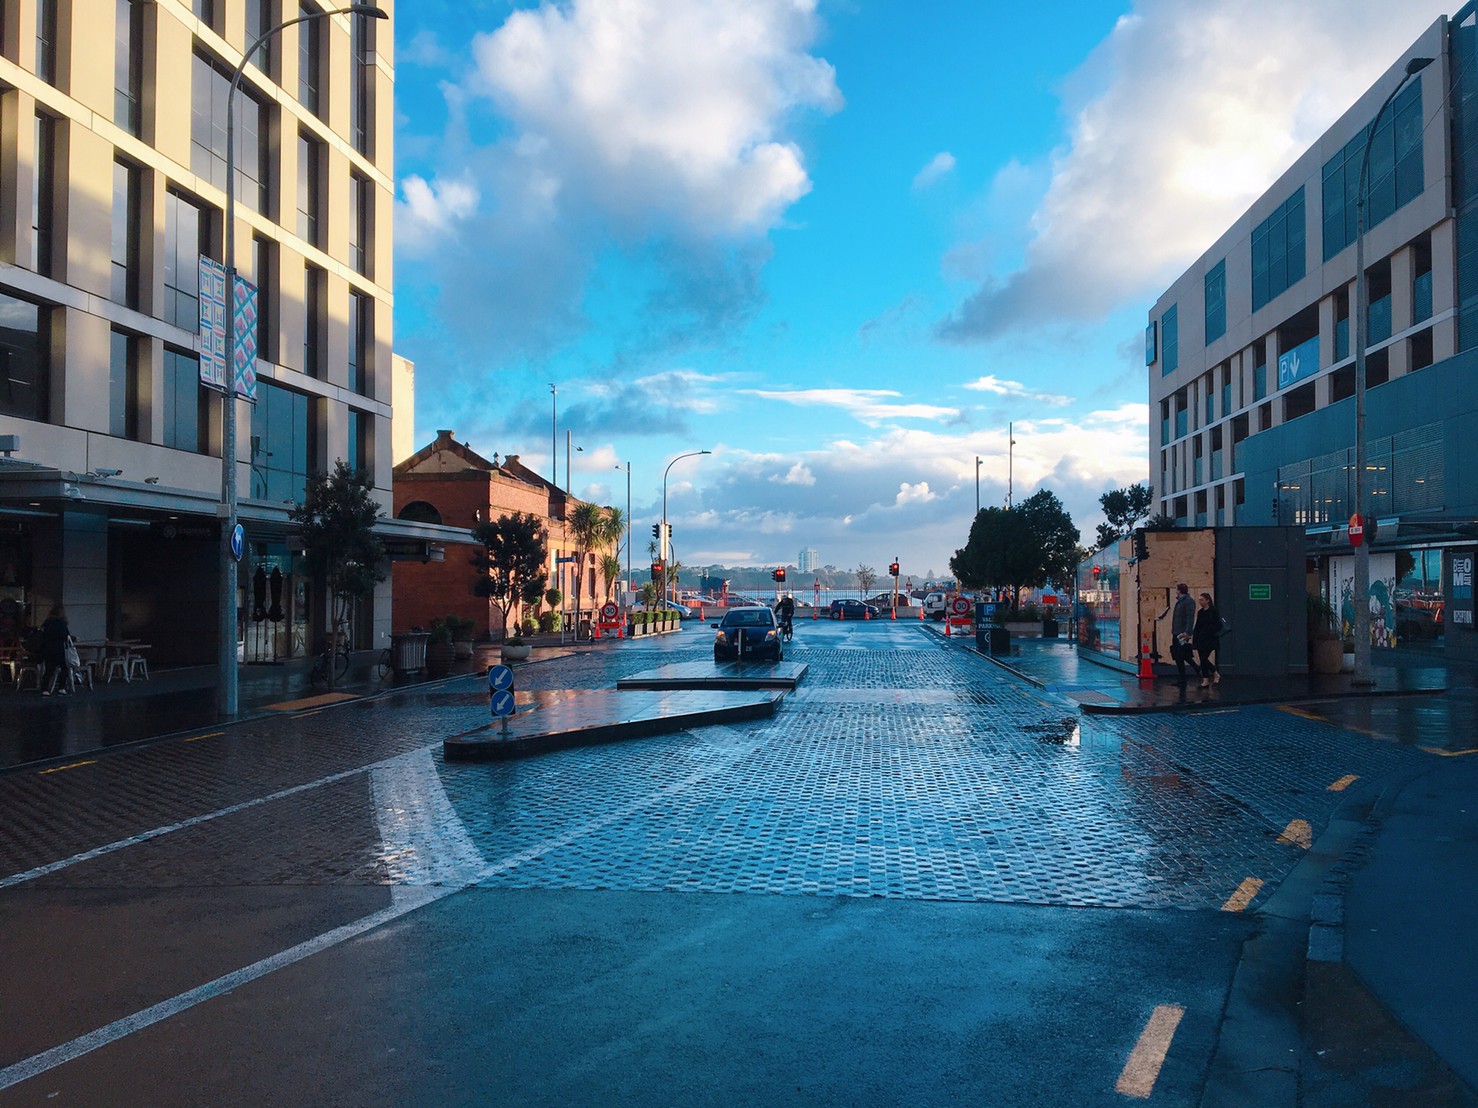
<point x="893" y="570"/>
<point x="657" y="568"/>
<point x="777" y="575"/>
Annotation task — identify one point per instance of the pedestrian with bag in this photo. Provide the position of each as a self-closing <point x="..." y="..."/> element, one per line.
<point x="55" y="637"/>
<point x="1205" y="638"/>
<point x="1182" y="623"/>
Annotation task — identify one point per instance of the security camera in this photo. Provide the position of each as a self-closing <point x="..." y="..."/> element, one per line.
<point x="103" y="471"/>
<point x="151" y="480"/>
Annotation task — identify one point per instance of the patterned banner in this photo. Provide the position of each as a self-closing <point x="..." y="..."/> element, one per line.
<point x="212" y="324"/>
<point x="244" y="324"/>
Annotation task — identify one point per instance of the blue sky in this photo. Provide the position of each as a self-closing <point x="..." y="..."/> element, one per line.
<point x="842" y="245"/>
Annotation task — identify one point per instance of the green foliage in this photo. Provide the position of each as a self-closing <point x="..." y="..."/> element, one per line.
<point x="552" y="597"/>
<point x="510" y="565"/>
<point x="441" y="631"/>
<point x="462" y="629"/>
<point x="527" y="627"/>
<point x="866" y="577"/>
<point x="336" y="521"/>
<point x="1022" y="547"/>
<point x="1123" y="509"/>
<point x="1320" y="618"/>
<point x="550" y="621"/>
<point x="610" y="569"/>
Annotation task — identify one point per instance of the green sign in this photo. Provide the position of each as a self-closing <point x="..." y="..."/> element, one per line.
<point x="1259" y="592"/>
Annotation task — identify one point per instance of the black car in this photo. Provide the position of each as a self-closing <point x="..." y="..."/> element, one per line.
<point x="749" y="632"/>
<point x="852" y="609"/>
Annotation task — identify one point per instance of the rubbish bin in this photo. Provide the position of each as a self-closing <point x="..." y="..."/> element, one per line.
<point x="1049" y="628"/>
<point x="408" y="650"/>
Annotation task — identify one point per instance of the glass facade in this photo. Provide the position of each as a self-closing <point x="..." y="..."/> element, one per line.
<point x="1395" y="173"/>
<point x="314" y="280"/>
<point x="124" y="250"/>
<point x="1463" y="96"/>
<point x="184" y="242"/>
<point x="1216" y="302"/>
<point x="25" y="358"/>
<point x="43" y="196"/>
<point x="362" y="46"/>
<point x="209" y="91"/>
<point x="361" y="330"/>
<point x="128" y="51"/>
<point x="123" y="386"/>
<point x="1170" y="340"/>
<point x="310" y="188"/>
<point x="310" y="61"/>
<point x="1278" y="251"/>
<point x="282" y="436"/>
<point x="46" y="32"/>
<point x="360" y="201"/>
<point x="186" y="415"/>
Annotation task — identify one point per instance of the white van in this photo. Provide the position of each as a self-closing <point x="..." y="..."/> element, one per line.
<point x="936" y="605"/>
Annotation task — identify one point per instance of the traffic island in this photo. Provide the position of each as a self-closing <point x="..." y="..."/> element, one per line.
<point x="607" y="715"/>
<point x="718" y="675"/>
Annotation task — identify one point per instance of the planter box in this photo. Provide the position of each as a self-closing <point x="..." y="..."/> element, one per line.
<point x="518" y="653"/>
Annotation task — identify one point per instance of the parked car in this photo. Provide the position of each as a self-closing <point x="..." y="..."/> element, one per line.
<point x="936" y="605"/>
<point x="852" y="609"/>
<point x="748" y="632"/>
<point x="682" y="610"/>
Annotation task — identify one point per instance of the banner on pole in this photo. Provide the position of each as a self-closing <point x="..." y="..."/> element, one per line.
<point x="244" y="326"/>
<point x="212" y="324"/>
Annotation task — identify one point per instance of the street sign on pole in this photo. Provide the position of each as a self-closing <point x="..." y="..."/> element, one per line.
<point x="1357" y="530"/>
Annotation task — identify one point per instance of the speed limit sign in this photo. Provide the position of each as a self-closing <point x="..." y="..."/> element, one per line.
<point x="960" y="605"/>
<point x="608" y="611"/>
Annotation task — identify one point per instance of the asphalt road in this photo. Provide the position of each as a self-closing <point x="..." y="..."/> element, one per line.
<point x="923" y="881"/>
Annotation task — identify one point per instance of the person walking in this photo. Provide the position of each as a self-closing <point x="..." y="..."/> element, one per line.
<point x="1205" y="637"/>
<point x="54" y="637"/>
<point x="1182" y="623"/>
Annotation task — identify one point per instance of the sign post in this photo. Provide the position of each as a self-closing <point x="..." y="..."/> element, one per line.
<point x="1357" y="529"/>
<point x="500" y="693"/>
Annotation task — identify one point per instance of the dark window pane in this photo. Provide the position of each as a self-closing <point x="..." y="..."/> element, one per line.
<point x="24" y="359"/>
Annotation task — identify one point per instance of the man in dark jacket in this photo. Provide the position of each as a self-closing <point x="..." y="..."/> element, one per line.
<point x="1182" y="622"/>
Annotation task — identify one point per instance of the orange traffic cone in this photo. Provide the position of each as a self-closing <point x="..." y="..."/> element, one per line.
<point x="894" y="616"/>
<point x="1146" y="669"/>
<point x="866" y="611"/>
<point x="921" y="613"/>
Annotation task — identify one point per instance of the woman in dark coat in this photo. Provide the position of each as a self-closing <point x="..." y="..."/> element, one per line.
<point x="54" y="636"/>
<point x="1205" y="636"/>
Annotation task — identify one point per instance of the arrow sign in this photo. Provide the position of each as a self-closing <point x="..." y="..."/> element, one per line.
<point x="503" y="702"/>
<point x="500" y="678"/>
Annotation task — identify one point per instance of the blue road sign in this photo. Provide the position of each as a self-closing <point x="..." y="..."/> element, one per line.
<point x="503" y="702"/>
<point x="238" y="542"/>
<point x="499" y="678"/>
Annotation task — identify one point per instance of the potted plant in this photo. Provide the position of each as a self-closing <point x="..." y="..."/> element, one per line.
<point x="1326" y="651"/>
<point x="463" y="633"/>
<point x="515" y="648"/>
<point x="440" y="653"/>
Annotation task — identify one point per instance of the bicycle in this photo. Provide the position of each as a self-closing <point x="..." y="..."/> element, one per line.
<point x="387" y="663"/>
<point x="787" y="628"/>
<point x="318" y="678"/>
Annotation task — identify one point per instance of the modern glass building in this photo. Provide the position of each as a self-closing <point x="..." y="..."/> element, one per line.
<point x="1251" y="366"/>
<point x="112" y="184"/>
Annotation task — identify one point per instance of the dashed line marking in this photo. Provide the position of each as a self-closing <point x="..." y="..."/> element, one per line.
<point x="1297" y="833"/>
<point x="1246" y="891"/>
<point x="1148" y="1056"/>
<point x="207" y="735"/>
<point x="1292" y="711"/>
<point x="1343" y="783"/>
<point x="71" y="765"/>
<point x="1437" y="750"/>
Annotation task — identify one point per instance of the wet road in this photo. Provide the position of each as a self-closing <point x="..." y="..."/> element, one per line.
<point x="922" y="881"/>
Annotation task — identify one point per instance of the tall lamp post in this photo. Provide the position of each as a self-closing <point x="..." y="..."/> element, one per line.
<point x="663" y="551"/>
<point x="1361" y="626"/>
<point x="977" y="484"/>
<point x="554" y="436"/>
<point x="227" y="686"/>
<point x="628" y="522"/>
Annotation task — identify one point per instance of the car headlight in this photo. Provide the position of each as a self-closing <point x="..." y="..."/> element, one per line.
<point x="770" y="634"/>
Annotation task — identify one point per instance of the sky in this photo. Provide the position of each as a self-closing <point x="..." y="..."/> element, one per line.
<point x="844" y="245"/>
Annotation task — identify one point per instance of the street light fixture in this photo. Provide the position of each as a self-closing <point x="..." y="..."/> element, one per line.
<point x="663" y="552"/>
<point x="1361" y="623"/>
<point x="628" y="522"/>
<point x="977" y="484"/>
<point x="227" y="686"/>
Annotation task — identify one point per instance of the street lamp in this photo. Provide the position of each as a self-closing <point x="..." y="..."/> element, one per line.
<point x="227" y="688"/>
<point x="554" y="436"/>
<point x="663" y="551"/>
<point x="977" y="484"/>
<point x="1010" y="460"/>
<point x="1361" y="626"/>
<point x="569" y="438"/>
<point x="628" y="522"/>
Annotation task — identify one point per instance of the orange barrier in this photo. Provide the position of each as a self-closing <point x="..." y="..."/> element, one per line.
<point x="1146" y="668"/>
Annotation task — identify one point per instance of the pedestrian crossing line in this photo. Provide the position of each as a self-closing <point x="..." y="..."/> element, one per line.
<point x="1246" y="891"/>
<point x="71" y="765"/>
<point x="1297" y="833"/>
<point x="1142" y="1069"/>
<point x="1343" y="783"/>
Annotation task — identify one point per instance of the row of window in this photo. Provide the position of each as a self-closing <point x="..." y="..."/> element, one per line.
<point x="1278" y="244"/>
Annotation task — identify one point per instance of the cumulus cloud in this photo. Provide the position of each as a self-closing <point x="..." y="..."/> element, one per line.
<point x="940" y="164"/>
<point x="429" y="211"/>
<point x="1016" y="390"/>
<point x="1188" y="105"/>
<point x="868" y="406"/>
<point x="798" y="474"/>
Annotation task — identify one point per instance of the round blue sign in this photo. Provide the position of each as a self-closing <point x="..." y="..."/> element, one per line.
<point x="500" y="677"/>
<point x="238" y="542"/>
<point x="503" y="702"/>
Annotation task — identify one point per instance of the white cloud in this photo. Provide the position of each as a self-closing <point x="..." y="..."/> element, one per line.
<point x="429" y="211"/>
<point x="913" y="494"/>
<point x="869" y="406"/>
<point x="1016" y="389"/>
<point x="1188" y="105"/>
<point x="665" y="109"/>
<point x="798" y="474"/>
<point x="939" y="165"/>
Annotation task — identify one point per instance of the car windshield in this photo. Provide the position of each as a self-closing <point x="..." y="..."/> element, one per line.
<point x="749" y="617"/>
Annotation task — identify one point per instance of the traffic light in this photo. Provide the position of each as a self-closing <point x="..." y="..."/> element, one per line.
<point x="1141" y="548"/>
<point x="893" y="570"/>
<point x="778" y="575"/>
<point x="657" y="531"/>
<point x="657" y="568"/>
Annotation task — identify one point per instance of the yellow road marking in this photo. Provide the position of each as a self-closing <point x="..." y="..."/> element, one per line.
<point x="1437" y="750"/>
<point x="73" y="765"/>
<point x="1298" y="833"/>
<point x="208" y="735"/>
<point x="1143" y="1068"/>
<point x="1239" y="900"/>
<point x="1292" y="711"/>
<point x="1343" y="783"/>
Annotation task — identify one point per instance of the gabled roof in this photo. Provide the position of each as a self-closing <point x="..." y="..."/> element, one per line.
<point x="450" y="456"/>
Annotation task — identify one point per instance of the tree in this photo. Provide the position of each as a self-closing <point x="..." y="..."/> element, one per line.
<point x="510" y="565"/>
<point x="337" y="522"/>
<point x="866" y="578"/>
<point x="591" y="527"/>
<point x="1022" y="547"/>
<point x="1123" y="510"/>
<point x="610" y="569"/>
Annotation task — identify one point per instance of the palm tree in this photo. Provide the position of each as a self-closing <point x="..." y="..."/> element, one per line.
<point x="586" y="530"/>
<point x="610" y="569"/>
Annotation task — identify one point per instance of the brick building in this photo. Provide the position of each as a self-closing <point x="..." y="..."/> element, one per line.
<point x="449" y="483"/>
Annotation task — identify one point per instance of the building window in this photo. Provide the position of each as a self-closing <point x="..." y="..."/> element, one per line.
<point x="359" y="456"/>
<point x="128" y="70"/>
<point x="205" y="11"/>
<point x="258" y="22"/>
<point x="1216" y="302"/>
<point x="25" y="358"/>
<point x="310" y="189"/>
<point x="1278" y="251"/>
<point x="361" y="103"/>
<point x="43" y="196"/>
<point x="184" y="242"/>
<point x="361" y="339"/>
<point x="1395" y="176"/>
<point x="186" y="412"/>
<point x="123" y="386"/>
<point x="125" y="244"/>
<point x="310" y="61"/>
<point x="264" y="276"/>
<point x="210" y="89"/>
<point x="314" y="325"/>
<point x="282" y="443"/>
<point x="46" y="32"/>
<point x="1170" y="340"/>
<point x="361" y="199"/>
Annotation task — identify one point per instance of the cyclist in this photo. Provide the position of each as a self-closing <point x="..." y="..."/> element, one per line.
<point x="785" y="613"/>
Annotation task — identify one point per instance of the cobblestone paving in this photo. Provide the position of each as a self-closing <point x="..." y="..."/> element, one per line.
<point x="903" y="768"/>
